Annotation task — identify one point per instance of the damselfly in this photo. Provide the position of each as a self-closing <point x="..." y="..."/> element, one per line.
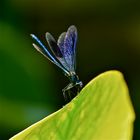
<point x="63" y="54"/>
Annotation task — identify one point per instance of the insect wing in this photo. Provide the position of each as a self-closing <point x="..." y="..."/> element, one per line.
<point x="53" y="45"/>
<point x="60" y="44"/>
<point x="56" y="50"/>
<point x="70" y="47"/>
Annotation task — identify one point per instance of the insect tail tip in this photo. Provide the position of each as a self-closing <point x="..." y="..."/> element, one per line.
<point x="34" y="45"/>
<point x="32" y="35"/>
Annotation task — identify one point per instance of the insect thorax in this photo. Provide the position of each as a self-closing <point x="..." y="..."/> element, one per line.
<point x="73" y="77"/>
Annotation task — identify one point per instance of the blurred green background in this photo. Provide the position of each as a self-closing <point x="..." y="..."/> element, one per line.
<point x="30" y="86"/>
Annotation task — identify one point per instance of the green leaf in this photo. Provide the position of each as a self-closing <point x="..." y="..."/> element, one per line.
<point x="102" y="111"/>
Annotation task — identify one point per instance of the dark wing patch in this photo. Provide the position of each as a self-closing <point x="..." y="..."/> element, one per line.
<point x="53" y="45"/>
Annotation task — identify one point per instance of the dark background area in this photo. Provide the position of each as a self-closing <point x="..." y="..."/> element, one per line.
<point x="30" y="86"/>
